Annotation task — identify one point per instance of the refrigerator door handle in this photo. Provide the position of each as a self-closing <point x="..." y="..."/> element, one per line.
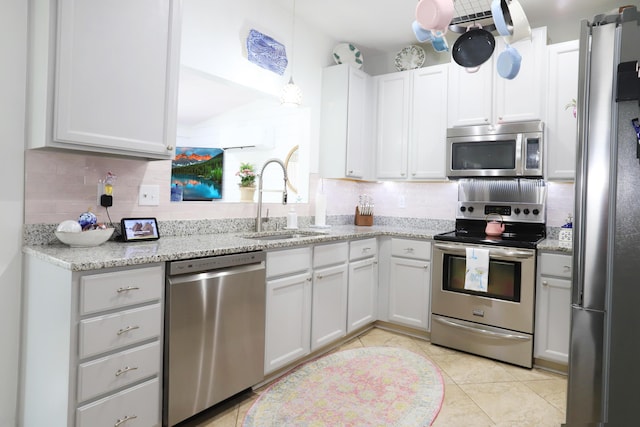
<point x="577" y="291"/>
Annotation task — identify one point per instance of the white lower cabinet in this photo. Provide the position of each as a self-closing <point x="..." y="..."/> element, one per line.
<point x="363" y="284"/>
<point x="553" y="307"/>
<point x="136" y="406"/>
<point x="329" y="302"/>
<point x="410" y="283"/>
<point x="288" y="307"/>
<point x="317" y="295"/>
<point x="92" y="346"/>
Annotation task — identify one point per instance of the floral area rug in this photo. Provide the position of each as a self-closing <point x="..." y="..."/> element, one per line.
<point x="371" y="386"/>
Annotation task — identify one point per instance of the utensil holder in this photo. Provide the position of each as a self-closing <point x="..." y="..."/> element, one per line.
<point x="363" y="219"/>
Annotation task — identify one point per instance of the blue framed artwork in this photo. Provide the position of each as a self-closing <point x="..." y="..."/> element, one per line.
<point x="266" y="52"/>
<point x="196" y="174"/>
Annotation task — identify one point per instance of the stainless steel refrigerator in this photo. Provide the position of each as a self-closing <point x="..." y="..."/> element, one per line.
<point x="604" y="355"/>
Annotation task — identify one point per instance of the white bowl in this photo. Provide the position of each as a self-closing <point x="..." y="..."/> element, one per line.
<point x="69" y="226"/>
<point x="85" y="239"/>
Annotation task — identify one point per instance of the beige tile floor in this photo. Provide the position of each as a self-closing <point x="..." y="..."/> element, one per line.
<point x="478" y="392"/>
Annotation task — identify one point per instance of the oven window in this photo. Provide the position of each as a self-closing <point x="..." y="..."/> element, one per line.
<point x="504" y="278"/>
<point x="483" y="155"/>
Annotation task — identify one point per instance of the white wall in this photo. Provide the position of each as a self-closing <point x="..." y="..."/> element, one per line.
<point x="214" y="41"/>
<point x="13" y="22"/>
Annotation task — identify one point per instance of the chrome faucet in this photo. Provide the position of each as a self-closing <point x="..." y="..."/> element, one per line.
<point x="284" y="191"/>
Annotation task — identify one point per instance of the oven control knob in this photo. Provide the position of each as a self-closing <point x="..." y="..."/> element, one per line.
<point x="536" y="211"/>
<point x="470" y="209"/>
<point x="526" y="211"/>
<point x="462" y="209"/>
<point x="516" y="211"/>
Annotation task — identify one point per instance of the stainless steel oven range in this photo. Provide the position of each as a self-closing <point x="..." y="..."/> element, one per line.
<point x="498" y="320"/>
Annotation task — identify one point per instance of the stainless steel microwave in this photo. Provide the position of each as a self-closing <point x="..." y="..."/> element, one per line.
<point x="505" y="150"/>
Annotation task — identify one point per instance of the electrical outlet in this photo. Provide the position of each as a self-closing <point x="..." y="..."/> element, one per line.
<point x="402" y="203"/>
<point x="149" y="195"/>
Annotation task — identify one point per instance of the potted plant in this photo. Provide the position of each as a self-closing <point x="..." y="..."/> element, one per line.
<point x="247" y="176"/>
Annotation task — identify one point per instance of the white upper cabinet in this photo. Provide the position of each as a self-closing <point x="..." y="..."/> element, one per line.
<point x="485" y="98"/>
<point x="561" y="122"/>
<point x="104" y="77"/>
<point x="345" y="131"/>
<point x="411" y="124"/>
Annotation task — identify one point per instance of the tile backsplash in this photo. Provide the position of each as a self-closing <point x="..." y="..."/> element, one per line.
<point x="61" y="185"/>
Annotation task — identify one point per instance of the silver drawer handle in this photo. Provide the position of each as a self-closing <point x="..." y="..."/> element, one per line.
<point x="124" y="420"/>
<point x="127" y="329"/>
<point x="125" y="369"/>
<point x="364" y="250"/>
<point x="408" y="250"/>
<point x="127" y="289"/>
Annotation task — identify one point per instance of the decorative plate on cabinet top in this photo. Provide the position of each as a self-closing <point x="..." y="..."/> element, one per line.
<point x="346" y="53"/>
<point x="266" y="52"/>
<point x="410" y="58"/>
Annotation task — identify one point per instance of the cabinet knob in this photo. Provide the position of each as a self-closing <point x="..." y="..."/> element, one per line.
<point x="402" y="174"/>
<point x="320" y="276"/>
<point x="566" y="268"/>
<point x="351" y="172"/>
<point x="119" y="422"/>
<point x="426" y="267"/>
<point x="169" y="147"/>
<point x="413" y="174"/>
<point x="545" y="283"/>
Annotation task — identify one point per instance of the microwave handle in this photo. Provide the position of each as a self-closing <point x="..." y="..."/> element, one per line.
<point x="520" y="154"/>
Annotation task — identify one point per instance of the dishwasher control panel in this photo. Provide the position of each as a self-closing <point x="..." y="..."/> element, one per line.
<point x="215" y="263"/>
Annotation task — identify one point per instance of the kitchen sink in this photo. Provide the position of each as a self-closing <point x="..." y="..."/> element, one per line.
<point x="282" y="235"/>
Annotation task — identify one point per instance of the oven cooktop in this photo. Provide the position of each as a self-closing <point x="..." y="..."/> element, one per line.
<point x="516" y="235"/>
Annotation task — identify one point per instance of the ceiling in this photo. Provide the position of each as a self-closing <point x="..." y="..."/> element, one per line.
<point x="378" y="26"/>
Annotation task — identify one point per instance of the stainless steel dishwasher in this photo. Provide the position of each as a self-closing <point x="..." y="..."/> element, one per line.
<point x="214" y="331"/>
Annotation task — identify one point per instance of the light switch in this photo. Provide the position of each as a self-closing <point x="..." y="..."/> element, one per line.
<point x="149" y="195"/>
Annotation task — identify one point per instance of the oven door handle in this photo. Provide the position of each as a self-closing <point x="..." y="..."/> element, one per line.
<point x="497" y="253"/>
<point x="479" y="330"/>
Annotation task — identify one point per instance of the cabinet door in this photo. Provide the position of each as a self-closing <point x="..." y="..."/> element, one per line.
<point x="357" y="125"/>
<point x="329" y="306"/>
<point x="363" y="293"/>
<point x="288" y="320"/>
<point x="116" y="77"/>
<point x="409" y="291"/>
<point x="470" y="95"/>
<point x="561" y="123"/>
<point x="393" y="100"/>
<point x="346" y="121"/>
<point x="427" y="152"/>
<point x="553" y="319"/>
<point x="520" y="99"/>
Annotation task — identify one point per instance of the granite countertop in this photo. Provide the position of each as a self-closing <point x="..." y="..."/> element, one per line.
<point x="171" y="248"/>
<point x="556" y="246"/>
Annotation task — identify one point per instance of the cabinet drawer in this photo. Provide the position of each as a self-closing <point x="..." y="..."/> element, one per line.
<point x="334" y="253"/>
<point x="362" y="249"/>
<point x="121" y="288"/>
<point x="118" y="370"/>
<point x="288" y="261"/>
<point x="109" y="332"/>
<point x="137" y="406"/>
<point x="407" y="248"/>
<point x="555" y="265"/>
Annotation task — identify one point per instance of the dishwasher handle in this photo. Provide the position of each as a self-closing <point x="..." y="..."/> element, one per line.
<point x="214" y="274"/>
<point x="198" y="265"/>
